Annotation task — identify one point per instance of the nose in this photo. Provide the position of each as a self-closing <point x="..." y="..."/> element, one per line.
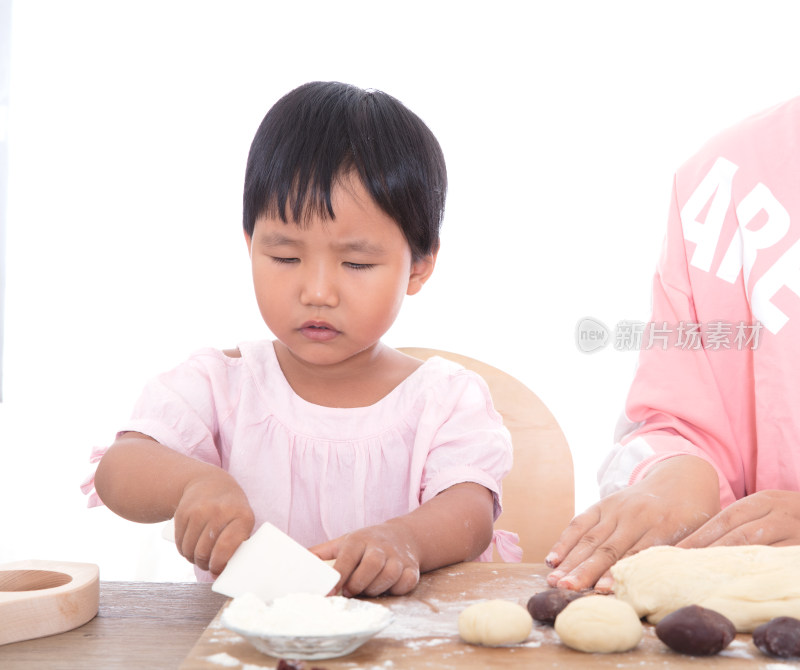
<point x="319" y="287"/>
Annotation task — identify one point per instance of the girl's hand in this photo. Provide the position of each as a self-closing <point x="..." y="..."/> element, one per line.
<point x="212" y="519"/>
<point x="374" y="560"/>
<point x="765" y="517"/>
<point x="678" y="496"/>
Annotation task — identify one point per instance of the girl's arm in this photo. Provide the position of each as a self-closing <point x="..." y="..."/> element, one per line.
<point x="142" y="480"/>
<point x="454" y="526"/>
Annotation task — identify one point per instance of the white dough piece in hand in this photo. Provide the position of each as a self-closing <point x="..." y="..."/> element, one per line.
<point x="599" y="624"/>
<point x="494" y="623"/>
<point x="750" y="585"/>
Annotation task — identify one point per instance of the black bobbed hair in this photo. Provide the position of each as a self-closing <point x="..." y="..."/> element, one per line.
<point x="322" y="131"/>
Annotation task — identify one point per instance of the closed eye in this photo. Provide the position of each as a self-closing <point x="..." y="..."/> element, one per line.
<point x="359" y="266"/>
<point x="282" y="260"/>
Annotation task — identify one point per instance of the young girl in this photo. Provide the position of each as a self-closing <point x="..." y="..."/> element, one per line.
<point x="388" y="465"/>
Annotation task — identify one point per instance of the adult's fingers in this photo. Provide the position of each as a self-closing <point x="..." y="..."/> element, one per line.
<point x="571" y="535"/>
<point x="595" y="561"/>
<point x="728" y="527"/>
<point x="597" y="549"/>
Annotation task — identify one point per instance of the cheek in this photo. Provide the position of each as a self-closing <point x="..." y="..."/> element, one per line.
<point x="387" y="300"/>
<point x="270" y="301"/>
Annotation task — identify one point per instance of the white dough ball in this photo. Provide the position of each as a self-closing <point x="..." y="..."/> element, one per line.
<point x="599" y="624"/>
<point x="494" y="623"/>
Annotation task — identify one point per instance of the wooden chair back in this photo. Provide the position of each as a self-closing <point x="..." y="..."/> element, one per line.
<point x="539" y="491"/>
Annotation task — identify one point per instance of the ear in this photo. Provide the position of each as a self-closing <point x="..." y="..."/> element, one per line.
<point x="421" y="270"/>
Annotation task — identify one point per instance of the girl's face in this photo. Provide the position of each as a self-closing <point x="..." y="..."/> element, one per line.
<point x="329" y="290"/>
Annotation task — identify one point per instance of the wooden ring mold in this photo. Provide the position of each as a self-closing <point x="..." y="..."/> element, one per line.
<point x="39" y="598"/>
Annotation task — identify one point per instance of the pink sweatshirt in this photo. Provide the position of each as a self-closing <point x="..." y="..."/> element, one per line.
<point x="730" y="263"/>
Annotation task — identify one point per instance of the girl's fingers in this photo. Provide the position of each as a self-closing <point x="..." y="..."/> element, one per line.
<point x="329" y="552"/>
<point x="408" y="580"/>
<point x="326" y="551"/>
<point x="189" y="536"/>
<point x="203" y="547"/>
<point x="370" y="565"/>
<point x="348" y="560"/>
<point x="386" y="578"/>
<point x="226" y="543"/>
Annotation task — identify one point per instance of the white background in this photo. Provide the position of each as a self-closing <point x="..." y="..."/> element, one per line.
<point x="130" y="122"/>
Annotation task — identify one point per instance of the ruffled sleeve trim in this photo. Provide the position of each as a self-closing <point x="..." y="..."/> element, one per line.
<point x="507" y="544"/>
<point x="87" y="486"/>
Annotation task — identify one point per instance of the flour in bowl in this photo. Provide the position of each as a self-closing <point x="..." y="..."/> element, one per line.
<point x="304" y="614"/>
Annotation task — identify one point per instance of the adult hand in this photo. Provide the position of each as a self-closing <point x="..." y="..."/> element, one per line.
<point x="212" y="519"/>
<point x="374" y="560"/>
<point x="676" y="497"/>
<point x="765" y="517"/>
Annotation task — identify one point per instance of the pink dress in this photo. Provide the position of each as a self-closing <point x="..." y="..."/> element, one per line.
<point x="729" y="269"/>
<point x="319" y="472"/>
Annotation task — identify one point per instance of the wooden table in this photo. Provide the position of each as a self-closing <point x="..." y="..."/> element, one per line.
<point x="139" y="625"/>
<point x="146" y="625"/>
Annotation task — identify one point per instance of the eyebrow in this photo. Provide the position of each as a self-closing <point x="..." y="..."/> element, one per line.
<point x="360" y="246"/>
<point x="275" y="239"/>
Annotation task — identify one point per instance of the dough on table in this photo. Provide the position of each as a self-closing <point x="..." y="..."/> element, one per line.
<point x="780" y="637"/>
<point x="600" y="624"/>
<point x="748" y="584"/>
<point x="696" y="631"/>
<point x="545" y="606"/>
<point x="494" y="623"/>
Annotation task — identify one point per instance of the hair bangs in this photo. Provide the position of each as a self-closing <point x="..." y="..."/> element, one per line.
<point x="322" y="131"/>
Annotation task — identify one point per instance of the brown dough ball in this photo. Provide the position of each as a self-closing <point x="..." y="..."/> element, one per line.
<point x="284" y="664"/>
<point x="779" y="637"/>
<point x="547" y="605"/>
<point x="696" y="631"/>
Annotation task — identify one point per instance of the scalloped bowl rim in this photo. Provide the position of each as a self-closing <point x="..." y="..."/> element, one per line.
<point x="311" y="647"/>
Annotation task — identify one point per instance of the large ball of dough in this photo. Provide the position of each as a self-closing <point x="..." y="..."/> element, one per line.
<point x="494" y="623"/>
<point x="599" y="624"/>
<point x="748" y="584"/>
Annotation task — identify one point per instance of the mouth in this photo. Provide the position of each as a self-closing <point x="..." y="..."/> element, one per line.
<point x="318" y="331"/>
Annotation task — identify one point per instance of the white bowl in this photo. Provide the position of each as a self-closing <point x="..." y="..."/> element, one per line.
<point x="272" y="639"/>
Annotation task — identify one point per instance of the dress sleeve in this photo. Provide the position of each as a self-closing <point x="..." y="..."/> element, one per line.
<point x="676" y="404"/>
<point x="178" y="410"/>
<point x="468" y="440"/>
